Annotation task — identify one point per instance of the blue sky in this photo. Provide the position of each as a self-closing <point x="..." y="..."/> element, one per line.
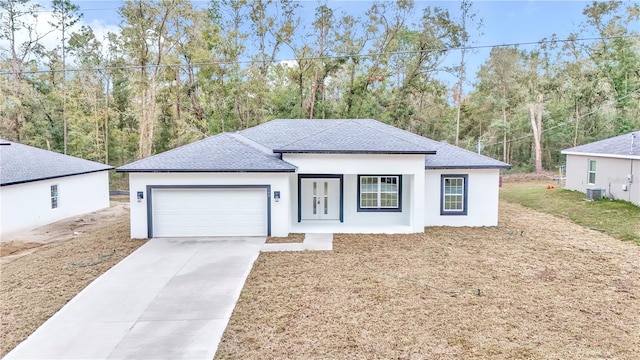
<point x="504" y="22"/>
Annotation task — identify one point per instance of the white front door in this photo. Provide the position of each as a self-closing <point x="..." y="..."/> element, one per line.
<point x="320" y="199"/>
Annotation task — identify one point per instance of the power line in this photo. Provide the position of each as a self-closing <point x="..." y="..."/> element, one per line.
<point x="332" y="57"/>
<point x="80" y="10"/>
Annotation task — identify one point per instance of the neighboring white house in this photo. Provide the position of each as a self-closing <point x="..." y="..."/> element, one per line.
<point x="39" y="187"/>
<point x="298" y="176"/>
<point x="612" y="164"/>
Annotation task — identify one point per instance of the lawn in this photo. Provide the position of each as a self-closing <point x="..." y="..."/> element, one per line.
<point x="619" y="219"/>
<point x="549" y="289"/>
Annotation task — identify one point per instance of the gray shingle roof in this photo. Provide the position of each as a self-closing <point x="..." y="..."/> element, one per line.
<point x="447" y="156"/>
<point x="452" y="157"/>
<point x="334" y="136"/>
<point x="252" y="150"/>
<point x="22" y="163"/>
<point x="277" y="133"/>
<point x="224" y="152"/>
<point x="618" y="146"/>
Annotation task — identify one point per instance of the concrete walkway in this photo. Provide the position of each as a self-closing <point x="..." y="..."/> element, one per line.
<point x="170" y="299"/>
<point x="321" y="242"/>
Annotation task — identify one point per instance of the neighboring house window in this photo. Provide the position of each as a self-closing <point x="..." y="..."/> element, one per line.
<point x="379" y="193"/>
<point x="54" y="196"/>
<point x="592" y="172"/>
<point x="454" y="195"/>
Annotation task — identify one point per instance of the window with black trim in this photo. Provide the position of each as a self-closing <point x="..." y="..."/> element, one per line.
<point x="453" y="200"/>
<point x="379" y="193"/>
<point x="54" y="196"/>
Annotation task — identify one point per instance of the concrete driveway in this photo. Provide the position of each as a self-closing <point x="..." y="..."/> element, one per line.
<point x="170" y="299"/>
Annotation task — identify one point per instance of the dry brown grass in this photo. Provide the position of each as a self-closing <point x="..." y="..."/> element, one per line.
<point x="35" y="286"/>
<point x="292" y="238"/>
<point x="550" y="289"/>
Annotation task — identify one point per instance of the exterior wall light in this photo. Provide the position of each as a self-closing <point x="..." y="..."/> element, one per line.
<point x="276" y="196"/>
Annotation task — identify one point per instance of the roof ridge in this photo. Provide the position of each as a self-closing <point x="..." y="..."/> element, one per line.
<point x="246" y="141"/>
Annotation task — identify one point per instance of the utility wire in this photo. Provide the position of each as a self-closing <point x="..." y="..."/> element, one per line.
<point x="332" y="57"/>
<point x="42" y="11"/>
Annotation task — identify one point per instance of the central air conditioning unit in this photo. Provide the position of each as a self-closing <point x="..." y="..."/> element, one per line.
<point x="595" y="193"/>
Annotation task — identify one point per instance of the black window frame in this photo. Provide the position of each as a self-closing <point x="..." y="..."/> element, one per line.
<point x="379" y="208"/>
<point x="465" y="194"/>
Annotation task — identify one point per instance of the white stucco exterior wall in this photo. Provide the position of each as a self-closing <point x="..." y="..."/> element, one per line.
<point x="28" y="205"/>
<point x="611" y="175"/>
<point x="411" y="167"/>
<point x="482" y="202"/>
<point x="280" y="211"/>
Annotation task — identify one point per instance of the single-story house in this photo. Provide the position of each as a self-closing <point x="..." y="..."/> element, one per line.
<point x="612" y="165"/>
<point x="298" y="176"/>
<point x="38" y="187"/>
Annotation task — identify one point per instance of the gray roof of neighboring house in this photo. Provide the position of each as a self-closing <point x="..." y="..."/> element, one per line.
<point x="257" y="149"/>
<point x="622" y="146"/>
<point x="22" y="163"/>
<point x="224" y="152"/>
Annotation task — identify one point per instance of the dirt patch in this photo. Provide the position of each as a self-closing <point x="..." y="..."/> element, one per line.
<point x="548" y="289"/>
<point x="19" y="244"/>
<point x="292" y="238"/>
<point x="53" y="265"/>
<point x="15" y="248"/>
<point x="119" y="199"/>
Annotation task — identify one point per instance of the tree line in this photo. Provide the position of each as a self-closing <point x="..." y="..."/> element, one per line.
<point x="174" y="73"/>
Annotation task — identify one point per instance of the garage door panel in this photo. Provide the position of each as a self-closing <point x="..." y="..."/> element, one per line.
<point x="209" y="212"/>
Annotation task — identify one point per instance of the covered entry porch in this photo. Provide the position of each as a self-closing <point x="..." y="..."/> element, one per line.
<point x="353" y="203"/>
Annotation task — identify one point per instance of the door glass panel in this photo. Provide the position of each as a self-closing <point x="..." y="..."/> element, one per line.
<point x="326" y="198"/>
<point x="315" y="198"/>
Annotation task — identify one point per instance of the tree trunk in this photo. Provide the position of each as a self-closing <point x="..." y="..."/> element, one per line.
<point x="504" y="135"/>
<point x="178" y="107"/>
<point x="535" y="115"/>
<point x="458" y="99"/>
<point x="313" y="94"/>
<point x="97" y="120"/>
<point x="575" y="135"/>
<point x="106" y="125"/>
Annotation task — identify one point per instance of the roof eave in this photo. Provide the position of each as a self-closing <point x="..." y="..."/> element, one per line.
<point x="203" y="170"/>
<point x="452" y="167"/>
<point x="607" y="155"/>
<point x="384" y="152"/>
<point x="54" y="177"/>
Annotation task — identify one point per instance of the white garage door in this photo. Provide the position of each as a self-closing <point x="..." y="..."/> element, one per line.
<point x="209" y="212"/>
